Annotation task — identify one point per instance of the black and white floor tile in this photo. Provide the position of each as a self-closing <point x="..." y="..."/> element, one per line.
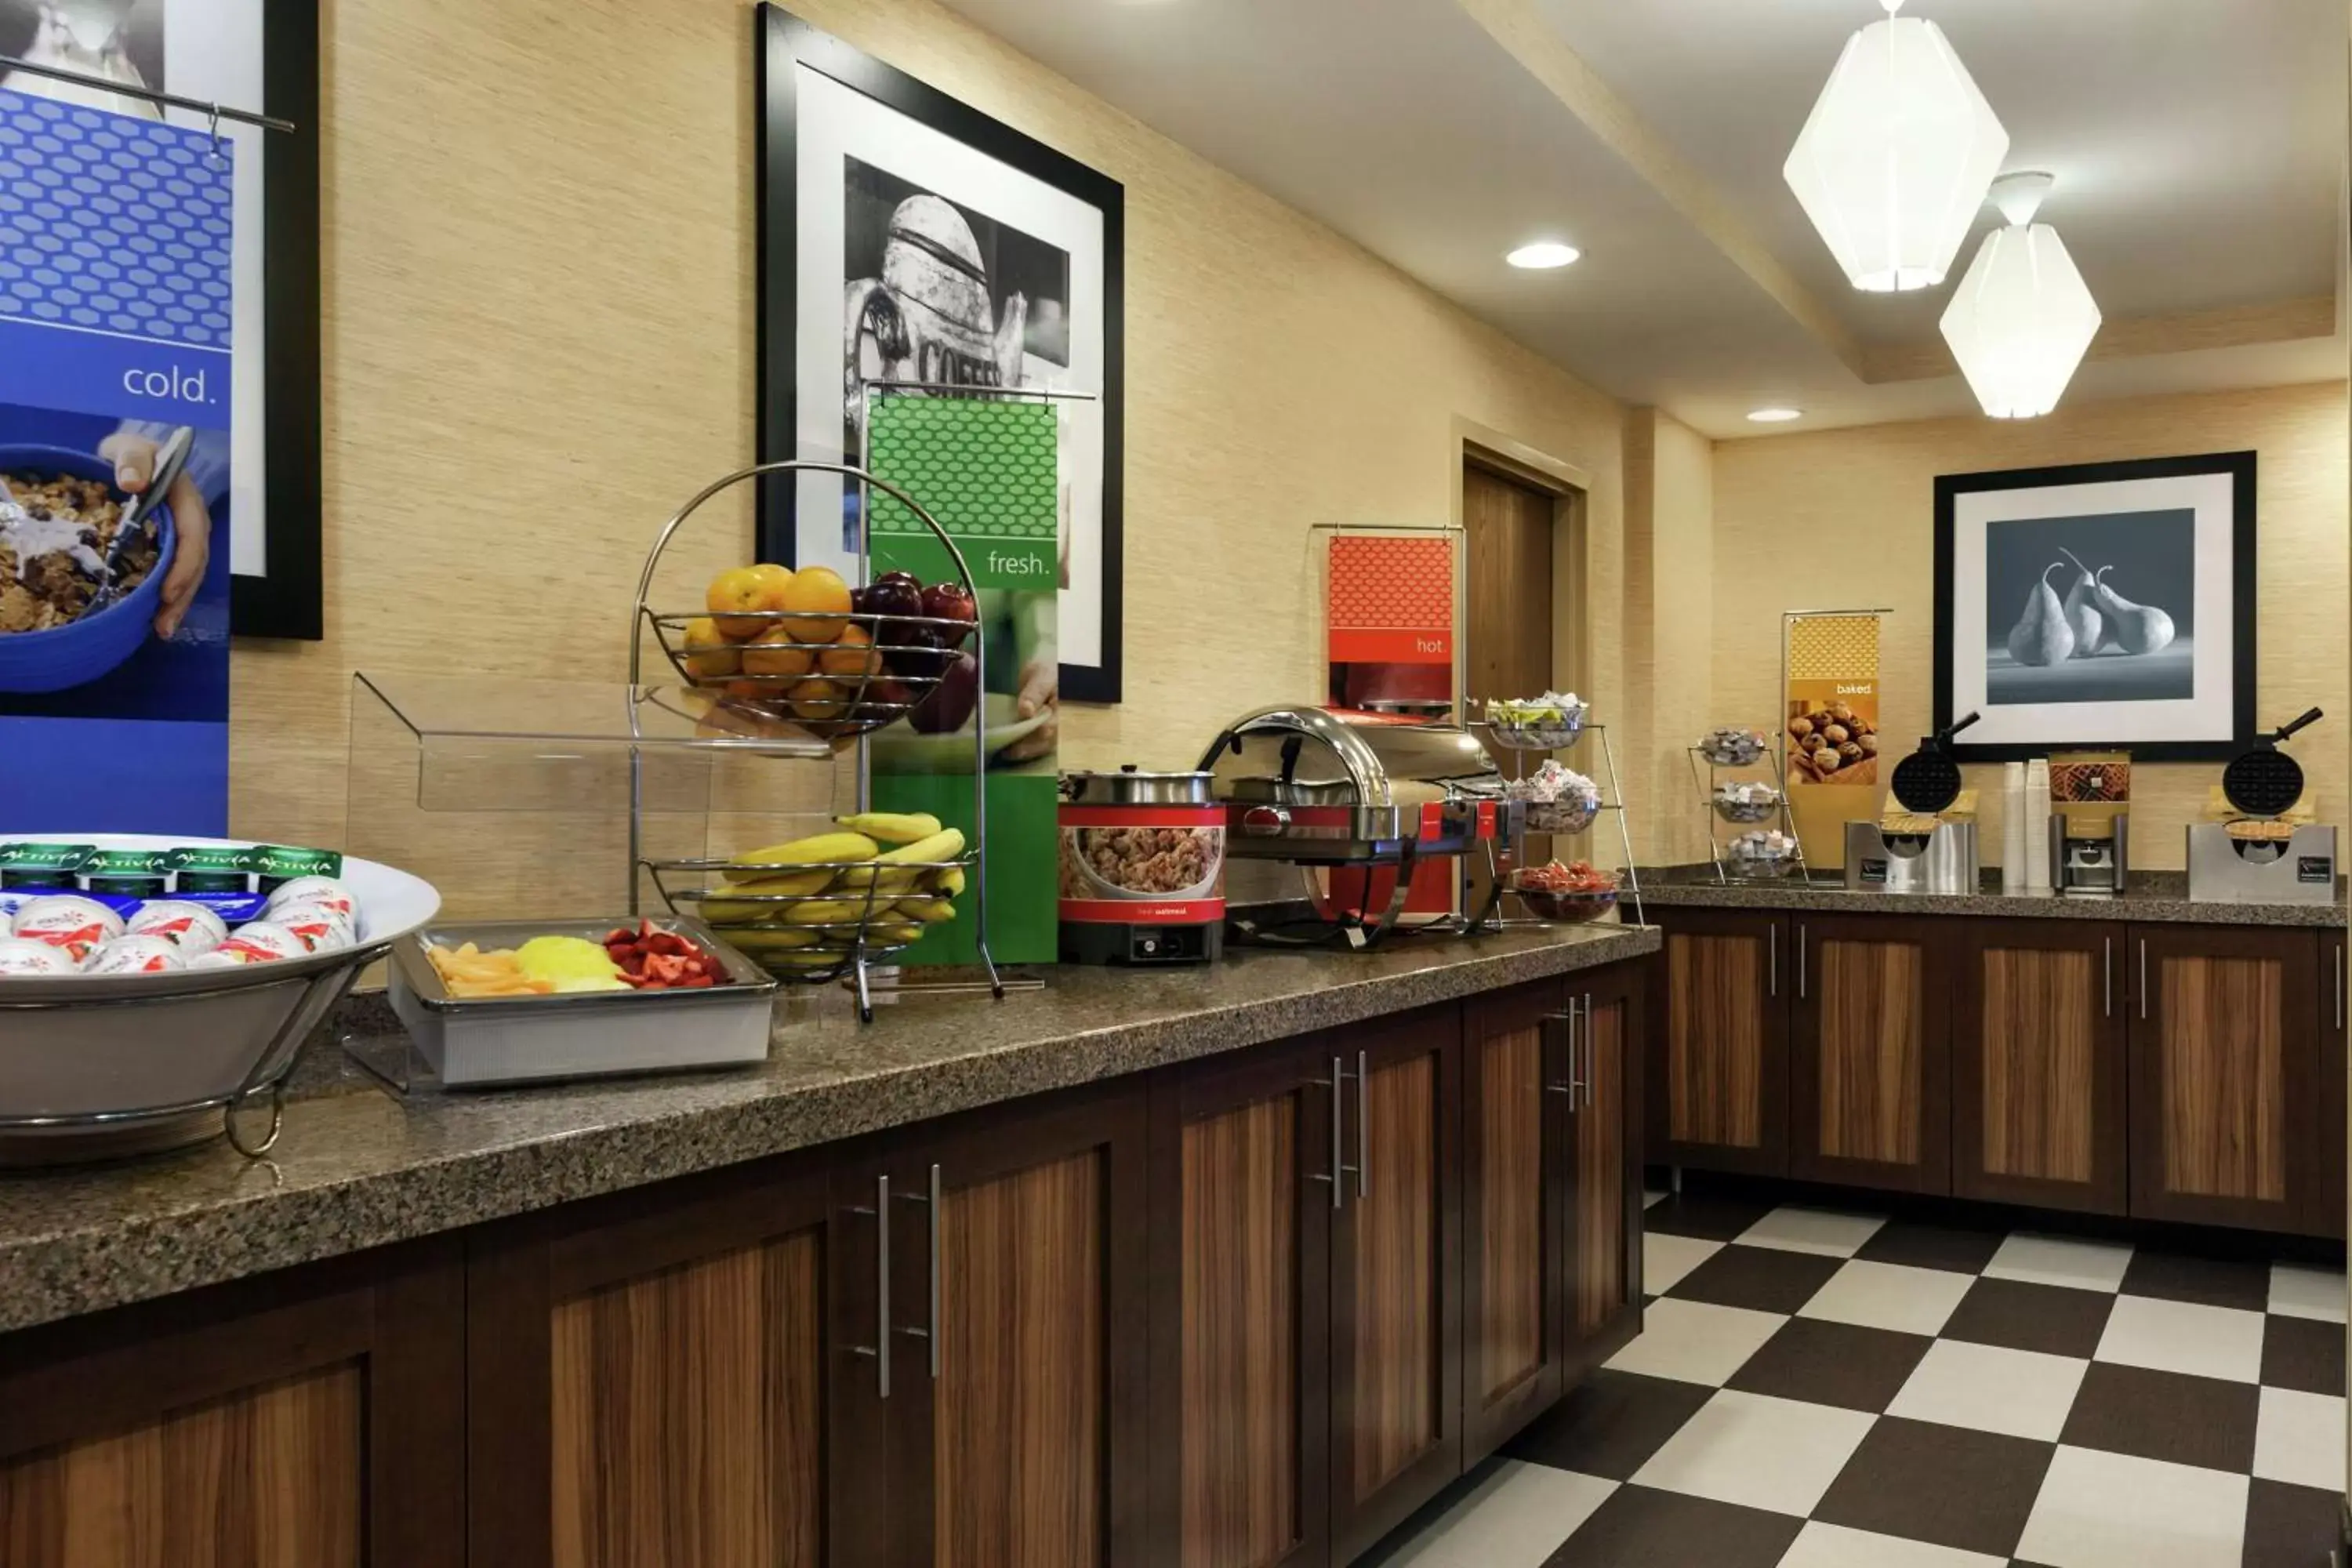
<point x="1815" y="1389"/>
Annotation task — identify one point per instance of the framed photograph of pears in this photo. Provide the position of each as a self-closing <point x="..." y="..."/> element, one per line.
<point x="2102" y="605"/>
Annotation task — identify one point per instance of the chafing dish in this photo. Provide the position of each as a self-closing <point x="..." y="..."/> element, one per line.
<point x="1304" y="784"/>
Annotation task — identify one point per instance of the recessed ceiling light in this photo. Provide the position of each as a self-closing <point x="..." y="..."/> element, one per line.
<point x="1543" y="254"/>
<point x="1775" y="416"/>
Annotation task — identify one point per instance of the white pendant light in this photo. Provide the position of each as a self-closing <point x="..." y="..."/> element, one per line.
<point x="2022" y="318"/>
<point x="1896" y="157"/>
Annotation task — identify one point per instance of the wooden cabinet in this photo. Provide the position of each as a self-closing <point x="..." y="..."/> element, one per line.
<point x="2328" y="1192"/>
<point x="1244" y="1192"/>
<point x="314" y="1421"/>
<point x="1601" y="1213"/>
<point x="1396" y="1276"/>
<point x="2040" y="1037"/>
<point x="1516" y="1091"/>
<point x="1719" y="1074"/>
<point x="2224" y="1076"/>
<point x="1869" y="1077"/>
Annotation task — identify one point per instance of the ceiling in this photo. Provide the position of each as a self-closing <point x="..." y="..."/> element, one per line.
<point x="2200" y="147"/>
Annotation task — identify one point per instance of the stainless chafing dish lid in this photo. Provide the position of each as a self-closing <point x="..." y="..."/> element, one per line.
<point x="1310" y="756"/>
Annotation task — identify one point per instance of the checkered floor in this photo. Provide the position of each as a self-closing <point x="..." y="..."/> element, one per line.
<point x="1835" y="1390"/>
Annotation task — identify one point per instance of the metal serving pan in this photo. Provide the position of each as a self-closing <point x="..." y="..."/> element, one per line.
<point x="1303" y="784"/>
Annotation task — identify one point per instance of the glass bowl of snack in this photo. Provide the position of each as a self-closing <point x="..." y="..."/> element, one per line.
<point x="1746" y="800"/>
<point x="1732" y="748"/>
<point x="1551" y="722"/>
<point x="1572" y="893"/>
<point x="53" y="545"/>
<point x="1559" y="799"/>
<point x="1762" y="854"/>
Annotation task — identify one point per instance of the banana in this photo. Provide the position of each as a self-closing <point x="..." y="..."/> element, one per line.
<point x="804" y="960"/>
<point x="892" y="933"/>
<point x="944" y="844"/>
<point x="886" y="880"/>
<point x="823" y="848"/>
<point x="893" y="828"/>
<point x="822" y="911"/>
<point x="929" y="910"/>
<point x="761" y="940"/>
<point x="797" y="884"/>
<point x="948" y="881"/>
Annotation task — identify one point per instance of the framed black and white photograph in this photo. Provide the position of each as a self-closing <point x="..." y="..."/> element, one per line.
<point x="261" y="56"/>
<point x="906" y="238"/>
<point x="2100" y="605"/>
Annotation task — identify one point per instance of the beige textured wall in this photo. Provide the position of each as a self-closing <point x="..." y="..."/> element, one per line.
<point x="1669" y="623"/>
<point x="1847" y="517"/>
<point x="538" y="245"/>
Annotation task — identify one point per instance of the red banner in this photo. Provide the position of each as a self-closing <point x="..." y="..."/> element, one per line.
<point x="1392" y="599"/>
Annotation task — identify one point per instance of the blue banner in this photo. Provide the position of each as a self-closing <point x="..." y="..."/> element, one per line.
<point x="115" y="333"/>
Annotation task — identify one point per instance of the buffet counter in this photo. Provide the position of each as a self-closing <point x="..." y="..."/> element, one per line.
<point x="2151" y="897"/>
<point x="358" y="1168"/>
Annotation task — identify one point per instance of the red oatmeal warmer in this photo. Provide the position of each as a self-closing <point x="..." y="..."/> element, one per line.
<point x="1143" y="868"/>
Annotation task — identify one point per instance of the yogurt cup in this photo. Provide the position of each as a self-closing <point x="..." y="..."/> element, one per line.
<point x="69" y="921"/>
<point x="136" y="956"/>
<point x="323" y="891"/>
<point x="192" y="928"/>
<point x="22" y="955"/>
<point x="318" y="928"/>
<point x="260" y="941"/>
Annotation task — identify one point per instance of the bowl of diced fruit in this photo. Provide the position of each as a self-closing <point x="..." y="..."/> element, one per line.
<point x="1574" y="892"/>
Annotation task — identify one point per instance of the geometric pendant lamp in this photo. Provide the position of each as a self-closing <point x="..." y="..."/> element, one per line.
<point x="2022" y="317"/>
<point x="1895" y="159"/>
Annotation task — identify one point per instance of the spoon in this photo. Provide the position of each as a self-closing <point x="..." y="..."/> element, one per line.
<point x="169" y="461"/>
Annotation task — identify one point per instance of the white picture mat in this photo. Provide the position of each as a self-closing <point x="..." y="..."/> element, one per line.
<point x="213" y="51"/>
<point x="2207" y="715"/>
<point x="835" y="123"/>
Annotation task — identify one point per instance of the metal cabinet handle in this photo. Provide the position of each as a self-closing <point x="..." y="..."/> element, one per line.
<point x="1338" y="1187"/>
<point x="931" y="1333"/>
<point x="1568" y="1021"/>
<point x="2143" y="977"/>
<point x="1802" y="940"/>
<point x="1592" y="1056"/>
<point x="1772" y="962"/>
<point x="2339" y="987"/>
<point x="2107" y="976"/>
<point x="881" y="1349"/>
<point x="1363" y="1123"/>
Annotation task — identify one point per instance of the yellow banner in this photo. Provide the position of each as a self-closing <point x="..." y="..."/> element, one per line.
<point x="1830" y="728"/>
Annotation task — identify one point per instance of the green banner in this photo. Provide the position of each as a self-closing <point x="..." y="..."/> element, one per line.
<point x="986" y="471"/>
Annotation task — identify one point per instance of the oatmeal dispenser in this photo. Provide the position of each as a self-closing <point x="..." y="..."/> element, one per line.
<point x="1143" y="868"/>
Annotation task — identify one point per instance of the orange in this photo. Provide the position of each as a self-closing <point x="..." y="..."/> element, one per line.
<point x="760" y="587"/>
<point x="822" y="599"/>
<point x="775" y="653"/>
<point x="709" y="653"/>
<point x="851" y="659"/>
<point x="817" y="698"/>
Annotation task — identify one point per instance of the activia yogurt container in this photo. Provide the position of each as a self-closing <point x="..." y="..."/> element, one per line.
<point x="69" y="921"/>
<point x="192" y="928"/>
<point x="261" y="941"/>
<point x="22" y="955"/>
<point x="323" y="891"/>
<point x="135" y="956"/>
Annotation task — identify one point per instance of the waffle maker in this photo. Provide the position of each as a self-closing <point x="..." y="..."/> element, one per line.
<point x="2257" y="854"/>
<point x="1912" y="848"/>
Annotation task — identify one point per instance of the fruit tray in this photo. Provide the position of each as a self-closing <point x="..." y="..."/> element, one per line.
<point x="854" y="673"/>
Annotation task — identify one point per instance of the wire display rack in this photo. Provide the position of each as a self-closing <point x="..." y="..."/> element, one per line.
<point x="1524" y="741"/>
<point x="1707" y="780"/>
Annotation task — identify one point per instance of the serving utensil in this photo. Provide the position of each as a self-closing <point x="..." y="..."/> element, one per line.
<point x="169" y="461"/>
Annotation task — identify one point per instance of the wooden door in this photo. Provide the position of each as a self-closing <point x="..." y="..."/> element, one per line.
<point x="266" y="1424"/>
<point x="1869" y="1073"/>
<point x="2224" y="1075"/>
<point x="1601" y="1212"/>
<point x="646" y="1378"/>
<point x="1243" y="1192"/>
<point x="1719" y="1031"/>
<point x="1509" y="529"/>
<point x="1017" y="1424"/>
<point x="1396" y="1300"/>
<point x="1515" y="1081"/>
<point x="2328" y="1192"/>
<point x="2039" y="1033"/>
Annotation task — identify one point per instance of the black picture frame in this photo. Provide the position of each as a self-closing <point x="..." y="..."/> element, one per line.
<point x="784" y="42"/>
<point x="289" y="600"/>
<point x="2241" y="470"/>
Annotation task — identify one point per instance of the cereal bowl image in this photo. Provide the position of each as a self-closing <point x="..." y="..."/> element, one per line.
<point x="51" y="635"/>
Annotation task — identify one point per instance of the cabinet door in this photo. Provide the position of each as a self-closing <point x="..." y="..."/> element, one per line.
<point x="314" y="1419"/>
<point x="2327" y="1194"/>
<point x="1720" y="1066"/>
<point x="1018" y="1418"/>
<point x="646" y="1376"/>
<point x="1515" y="1106"/>
<point x="1602" y="1214"/>
<point x="2224" y="1073"/>
<point x="1396" y="1330"/>
<point x="1242" y="1193"/>
<point x="1869" y="1077"/>
<point x="2038" y="1072"/>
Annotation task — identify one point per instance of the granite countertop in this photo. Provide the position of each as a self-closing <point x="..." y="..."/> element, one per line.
<point x="357" y="1167"/>
<point x="2154" y="897"/>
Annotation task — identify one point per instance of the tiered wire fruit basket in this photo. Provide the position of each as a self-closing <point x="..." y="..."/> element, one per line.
<point x="1710" y="761"/>
<point x="1543" y="740"/>
<point x="817" y="922"/>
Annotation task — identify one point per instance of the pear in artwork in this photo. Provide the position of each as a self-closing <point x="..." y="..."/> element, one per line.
<point x="2083" y="616"/>
<point x="2138" y="628"/>
<point x="2042" y="636"/>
